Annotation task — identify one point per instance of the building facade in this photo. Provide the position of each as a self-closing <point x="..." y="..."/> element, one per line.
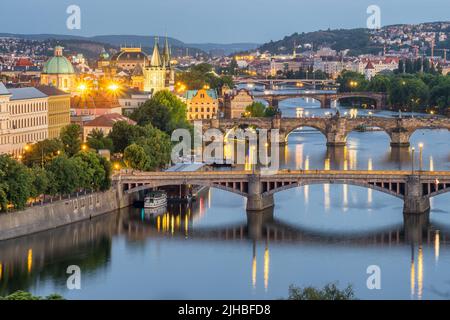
<point x="235" y="104"/>
<point x="58" y="110"/>
<point x="202" y="104"/>
<point x="23" y="119"/>
<point x="159" y="74"/>
<point x="58" y="72"/>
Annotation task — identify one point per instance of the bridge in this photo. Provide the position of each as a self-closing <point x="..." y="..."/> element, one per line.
<point x="415" y="189"/>
<point x="325" y="98"/>
<point x="336" y="128"/>
<point x="272" y="82"/>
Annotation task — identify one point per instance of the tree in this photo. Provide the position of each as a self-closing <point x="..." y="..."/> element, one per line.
<point x="94" y="170"/>
<point x="351" y="81"/>
<point x="136" y="158"/>
<point x="22" y="295"/>
<point x="329" y="292"/>
<point x="97" y="140"/>
<point x="157" y="146"/>
<point x="106" y="182"/>
<point x="270" y="112"/>
<point x="164" y="111"/>
<point x="123" y="134"/>
<point x="42" y="152"/>
<point x="40" y="181"/>
<point x="71" y="139"/>
<point x="256" y="109"/>
<point x="3" y="192"/>
<point x="18" y="181"/>
<point x="65" y="175"/>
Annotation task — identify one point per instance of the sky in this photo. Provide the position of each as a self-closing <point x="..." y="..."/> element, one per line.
<point x="201" y="21"/>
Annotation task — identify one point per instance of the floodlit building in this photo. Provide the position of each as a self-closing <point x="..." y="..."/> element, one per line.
<point x="58" y="72"/>
<point x="235" y="104"/>
<point x="23" y="118"/>
<point x="202" y="104"/>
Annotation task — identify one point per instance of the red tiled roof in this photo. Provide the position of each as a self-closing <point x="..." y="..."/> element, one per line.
<point x="108" y="120"/>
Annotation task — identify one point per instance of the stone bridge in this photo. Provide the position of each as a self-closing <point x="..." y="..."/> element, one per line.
<point x="335" y="129"/>
<point x="325" y="99"/>
<point x="414" y="189"/>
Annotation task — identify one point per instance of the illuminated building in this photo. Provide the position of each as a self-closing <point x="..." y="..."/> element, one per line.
<point x="23" y="118"/>
<point x="159" y="73"/>
<point x="58" y="72"/>
<point x="58" y="110"/>
<point x="126" y="59"/>
<point x="235" y="105"/>
<point x="104" y="123"/>
<point x="202" y="104"/>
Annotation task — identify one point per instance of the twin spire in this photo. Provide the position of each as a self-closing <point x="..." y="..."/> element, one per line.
<point x="157" y="60"/>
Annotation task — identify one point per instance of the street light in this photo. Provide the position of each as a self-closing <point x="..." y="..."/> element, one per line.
<point x="412" y="159"/>
<point x="420" y="156"/>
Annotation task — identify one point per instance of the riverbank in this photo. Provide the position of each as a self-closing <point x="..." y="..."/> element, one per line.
<point x="60" y="213"/>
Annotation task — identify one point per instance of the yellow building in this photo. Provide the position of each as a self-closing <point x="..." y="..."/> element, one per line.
<point x="58" y="110"/>
<point x="58" y="72"/>
<point x="202" y="104"/>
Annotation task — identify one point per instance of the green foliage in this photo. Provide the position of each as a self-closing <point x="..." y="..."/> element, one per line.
<point x="66" y="174"/>
<point x="135" y="157"/>
<point x="329" y="292"/>
<point x="42" y="152"/>
<point x="157" y="146"/>
<point x="17" y="181"/>
<point x="408" y="92"/>
<point x="3" y="192"/>
<point x="98" y="141"/>
<point x="94" y="170"/>
<point x="123" y="134"/>
<point x="22" y="295"/>
<point x="164" y="111"/>
<point x="347" y="78"/>
<point x="258" y="110"/>
<point x="40" y="181"/>
<point x="71" y="138"/>
<point x="203" y="74"/>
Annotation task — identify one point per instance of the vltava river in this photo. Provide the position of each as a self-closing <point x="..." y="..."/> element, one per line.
<point x="215" y="250"/>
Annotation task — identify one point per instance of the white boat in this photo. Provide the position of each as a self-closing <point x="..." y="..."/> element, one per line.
<point x="155" y="200"/>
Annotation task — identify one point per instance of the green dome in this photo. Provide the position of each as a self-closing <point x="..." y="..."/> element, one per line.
<point x="58" y="64"/>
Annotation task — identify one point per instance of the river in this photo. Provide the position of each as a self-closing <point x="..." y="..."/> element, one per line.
<point x="215" y="250"/>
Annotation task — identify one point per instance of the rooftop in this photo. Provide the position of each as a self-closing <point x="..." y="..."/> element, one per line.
<point x="192" y="93"/>
<point x="3" y="90"/>
<point x="52" y="91"/>
<point x="26" y="93"/>
<point x="108" y="120"/>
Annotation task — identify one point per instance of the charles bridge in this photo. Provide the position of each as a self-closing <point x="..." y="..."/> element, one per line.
<point x="414" y="188"/>
<point x="336" y="128"/>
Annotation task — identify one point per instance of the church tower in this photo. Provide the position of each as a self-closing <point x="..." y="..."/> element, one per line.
<point x="155" y="73"/>
<point x="170" y="72"/>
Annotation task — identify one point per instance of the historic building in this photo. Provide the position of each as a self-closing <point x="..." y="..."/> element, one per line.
<point x="202" y="104"/>
<point x="23" y="118"/>
<point x="58" y="71"/>
<point x="159" y="74"/>
<point x="126" y="59"/>
<point x="58" y="110"/>
<point x="235" y="104"/>
<point x="104" y="123"/>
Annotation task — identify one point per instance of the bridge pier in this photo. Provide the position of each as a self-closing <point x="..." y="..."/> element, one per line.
<point x="336" y="132"/>
<point x="256" y="222"/>
<point x="415" y="201"/>
<point x="256" y="201"/>
<point x="400" y="138"/>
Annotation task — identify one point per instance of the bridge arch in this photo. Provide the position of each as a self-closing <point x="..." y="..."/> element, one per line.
<point x="239" y="188"/>
<point x="390" y="189"/>
<point x="319" y="129"/>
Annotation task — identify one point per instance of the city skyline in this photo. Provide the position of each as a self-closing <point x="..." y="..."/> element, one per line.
<point x="266" y="21"/>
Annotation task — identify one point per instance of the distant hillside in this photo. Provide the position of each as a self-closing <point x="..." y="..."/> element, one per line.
<point x="144" y="41"/>
<point x="359" y="41"/>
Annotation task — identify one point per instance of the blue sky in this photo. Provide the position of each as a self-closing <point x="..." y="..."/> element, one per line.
<point x="211" y="20"/>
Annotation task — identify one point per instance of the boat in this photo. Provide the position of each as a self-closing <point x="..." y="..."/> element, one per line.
<point x="155" y="199"/>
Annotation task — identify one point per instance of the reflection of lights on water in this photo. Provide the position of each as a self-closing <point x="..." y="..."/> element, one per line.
<point x="30" y="260"/>
<point x="266" y="267"/>
<point x="369" y="196"/>
<point x="158" y="223"/>
<point x="306" y="194"/>
<point x="420" y="273"/>
<point x="326" y="192"/>
<point x="172" y="224"/>
<point x="254" y="267"/>
<point x="353" y="161"/>
<point x="209" y="198"/>
<point x="369" y="164"/>
<point x="307" y="163"/>
<point x="1" y="271"/>
<point x="412" y="278"/>
<point x="431" y="163"/>
<point x="436" y="246"/>
<point x="186" y="225"/>
<point x="299" y="156"/>
<point x="345" y="196"/>
<point x="326" y="165"/>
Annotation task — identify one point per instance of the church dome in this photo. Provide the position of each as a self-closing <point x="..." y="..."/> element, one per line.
<point x="58" y="64"/>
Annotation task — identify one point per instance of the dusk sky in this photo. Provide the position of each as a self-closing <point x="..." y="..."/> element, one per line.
<point x="211" y="20"/>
